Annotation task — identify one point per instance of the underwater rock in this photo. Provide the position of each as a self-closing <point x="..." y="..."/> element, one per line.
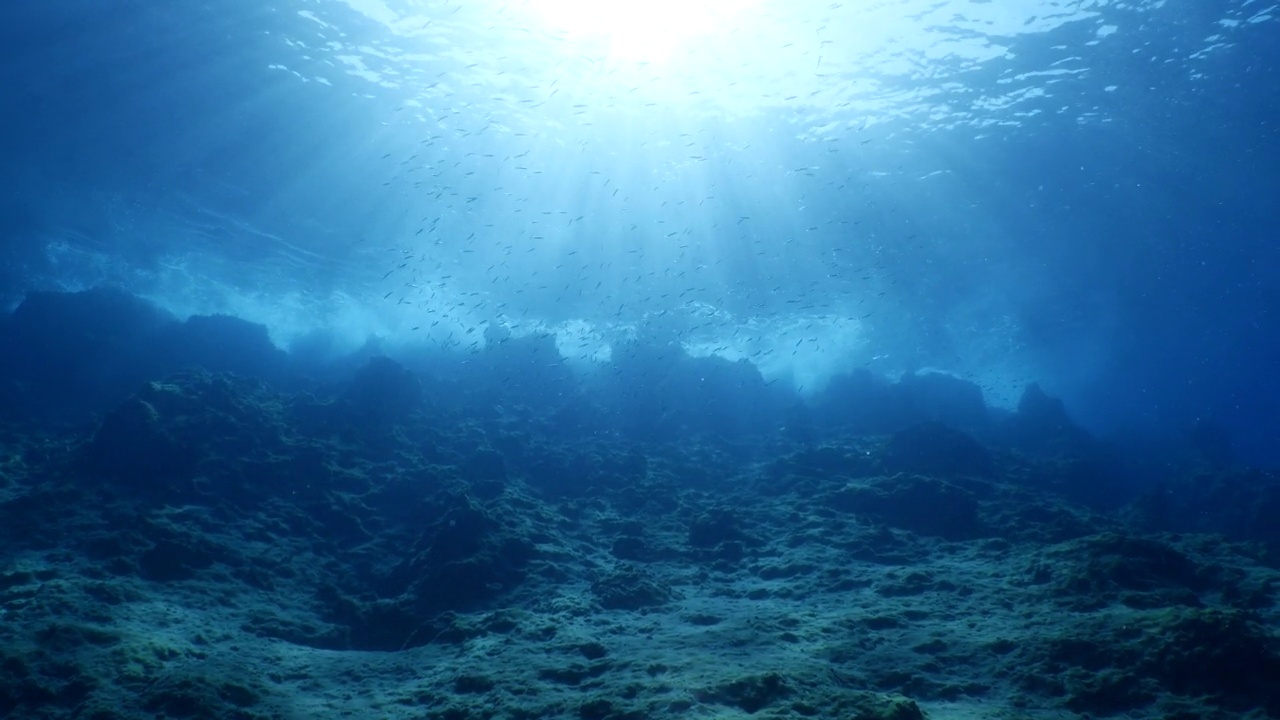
<point x="863" y="402"/>
<point x="749" y="694"/>
<point x="631" y="589"/>
<point x="827" y="461"/>
<point x="1240" y="504"/>
<point x="80" y="352"/>
<point x="631" y="548"/>
<point x="1039" y="411"/>
<point x="1177" y="657"/>
<point x="935" y="449"/>
<point x="941" y="397"/>
<point x="384" y="391"/>
<point x="713" y="528"/>
<point x="923" y="505"/>
<point x="484" y="464"/>
<point x="195" y="436"/>
<point x="1041" y="426"/>
<point x="459" y="561"/>
<point x="172" y="559"/>
<point x="532" y="372"/>
<point x="142" y="446"/>
<point x="74" y="354"/>
<point x="1098" y="570"/>
<point x="661" y="393"/>
<point x="860" y="402"/>
<point x="222" y="343"/>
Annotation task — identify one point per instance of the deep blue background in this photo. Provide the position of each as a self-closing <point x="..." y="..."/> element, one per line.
<point x="1138" y="255"/>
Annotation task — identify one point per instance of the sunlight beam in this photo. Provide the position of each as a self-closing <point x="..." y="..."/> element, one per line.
<point x="638" y="30"/>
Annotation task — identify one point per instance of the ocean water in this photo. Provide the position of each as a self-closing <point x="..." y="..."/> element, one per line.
<point x="639" y="359"/>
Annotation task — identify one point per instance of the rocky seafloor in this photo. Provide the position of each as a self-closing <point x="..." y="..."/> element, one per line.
<point x="195" y="524"/>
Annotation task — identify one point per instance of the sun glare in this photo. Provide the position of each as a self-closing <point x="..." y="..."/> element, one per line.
<point x="638" y="30"/>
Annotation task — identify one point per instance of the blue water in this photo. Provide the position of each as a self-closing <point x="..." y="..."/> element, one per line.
<point x="625" y="360"/>
<point x="1081" y="195"/>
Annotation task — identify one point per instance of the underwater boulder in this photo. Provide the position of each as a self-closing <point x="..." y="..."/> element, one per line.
<point x="921" y="505"/>
<point x="222" y="343"/>
<point x="1041" y="425"/>
<point x="945" y="398"/>
<point x="933" y="448"/>
<point x="145" y="443"/>
<point x="463" y="558"/>
<point x="384" y="391"/>
<point x="80" y="352"/>
<point x="860" y="401"/>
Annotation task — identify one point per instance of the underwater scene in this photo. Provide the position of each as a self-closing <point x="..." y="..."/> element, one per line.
<point x="640" y="359"/>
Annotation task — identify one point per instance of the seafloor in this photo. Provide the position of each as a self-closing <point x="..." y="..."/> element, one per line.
<point x="275" y="536"/>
